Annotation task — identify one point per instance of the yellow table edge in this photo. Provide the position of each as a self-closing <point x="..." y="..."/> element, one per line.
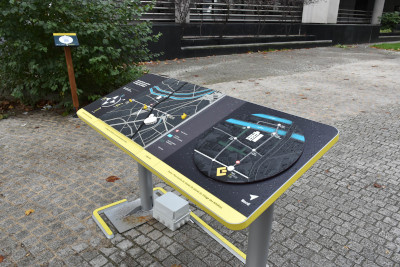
<point x="218" y="209"/>
<point x="225" y="214"/>
<point x="291" y="181"/>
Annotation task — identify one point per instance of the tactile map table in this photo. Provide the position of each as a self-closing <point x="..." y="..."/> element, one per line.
<point x="230" y="157"/>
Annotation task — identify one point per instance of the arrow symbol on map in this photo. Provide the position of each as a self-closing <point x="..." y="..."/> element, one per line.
<point x="253" y="197"/>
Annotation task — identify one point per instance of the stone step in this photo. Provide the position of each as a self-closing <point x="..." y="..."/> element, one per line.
<point x="194" y="51"/>
<point x="389" y="38"/>
<point x="241" y="39"/>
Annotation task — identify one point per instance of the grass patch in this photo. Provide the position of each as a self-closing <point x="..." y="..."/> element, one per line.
<point x="388" y="46"/>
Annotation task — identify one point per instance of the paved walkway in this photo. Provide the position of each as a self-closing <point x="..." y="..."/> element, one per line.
<point x="345" y="211"/>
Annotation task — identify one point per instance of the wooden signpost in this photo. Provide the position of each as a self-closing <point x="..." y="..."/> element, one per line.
<point x="67" y="40"/>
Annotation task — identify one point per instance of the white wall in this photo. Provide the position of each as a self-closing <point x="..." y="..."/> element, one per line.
<point x="324" y="11"/>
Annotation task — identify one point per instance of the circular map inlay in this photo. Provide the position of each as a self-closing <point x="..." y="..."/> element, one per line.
<point x="249" y="150"/>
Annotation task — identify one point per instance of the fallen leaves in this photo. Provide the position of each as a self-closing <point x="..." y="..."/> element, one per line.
<point x="376" y="185"/>
<point x="149" y="63"/>
<point x="1" y="258"/>
<point x="112" y="179"/>
<point x="30" y="211"/>
<point x="303" y="96"/>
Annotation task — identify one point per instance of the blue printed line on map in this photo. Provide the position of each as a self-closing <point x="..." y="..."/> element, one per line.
<point x="256" y="126"/>
<point x="179" y="98"/>
<point x="154" y="93"/>
<point x="161" y="90"/>
<point x="273" y="118"/>
<point x="263" y="128"/>
<point x="298" y="137"/>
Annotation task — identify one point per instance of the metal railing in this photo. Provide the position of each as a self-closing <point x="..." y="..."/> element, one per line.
<point x="240" y="11"/>
<point x="227" y="11"/>
<point x="347" y="16"/>
<point x="163" y="10"/>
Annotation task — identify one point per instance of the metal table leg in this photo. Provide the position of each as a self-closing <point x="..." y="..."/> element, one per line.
<point x="146" y="188"/>
<point x="129" y="214"/>
<point x="259" y="237"/>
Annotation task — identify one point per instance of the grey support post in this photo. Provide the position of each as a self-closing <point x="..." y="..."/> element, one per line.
<point x="377" y="11"/>
<point x="259" y="237"/>
<point x="146" y="188"/>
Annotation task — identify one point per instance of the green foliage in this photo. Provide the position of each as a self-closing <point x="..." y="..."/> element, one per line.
<point x="385" y="30"/>
<point x="111" y="37"/>
<point x="388" y="46"/>
<point x="390" y="20"/>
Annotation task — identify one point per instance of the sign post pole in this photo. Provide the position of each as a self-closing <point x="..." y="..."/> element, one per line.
<point x="67" y="40"/>
<point x="71" y="76"/>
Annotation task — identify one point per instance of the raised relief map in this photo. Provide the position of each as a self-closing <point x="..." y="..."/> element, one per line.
<point x="252" y="149"/>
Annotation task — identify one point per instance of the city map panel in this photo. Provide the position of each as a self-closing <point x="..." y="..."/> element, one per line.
<point x="149" y="115"/>
<point x="248" y="150"/>
<point x="218" y="150"/>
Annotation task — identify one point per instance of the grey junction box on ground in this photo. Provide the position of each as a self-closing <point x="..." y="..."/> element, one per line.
<point x="171" y="210"/>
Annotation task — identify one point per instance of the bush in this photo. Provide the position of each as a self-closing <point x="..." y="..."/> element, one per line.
<point x="111" y="40"/>
<point x="390" y="20"/>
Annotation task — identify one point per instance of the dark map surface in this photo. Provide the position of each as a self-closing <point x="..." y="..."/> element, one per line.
<point x="155" y="111"/>
<point x="252" y="149"/>
<point x="201" y="148"/>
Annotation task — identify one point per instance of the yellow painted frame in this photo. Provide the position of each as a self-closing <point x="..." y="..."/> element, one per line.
<point x="101" y="223"/>
<point x="61" y="34"/>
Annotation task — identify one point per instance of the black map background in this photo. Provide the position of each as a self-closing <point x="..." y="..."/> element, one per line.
<point x="318" y="135"/>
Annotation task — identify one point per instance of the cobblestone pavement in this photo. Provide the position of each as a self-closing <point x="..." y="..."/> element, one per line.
<point x="344" y="211"/>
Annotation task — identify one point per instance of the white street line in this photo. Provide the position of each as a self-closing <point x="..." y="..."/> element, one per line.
<point x="220" y="163"/>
